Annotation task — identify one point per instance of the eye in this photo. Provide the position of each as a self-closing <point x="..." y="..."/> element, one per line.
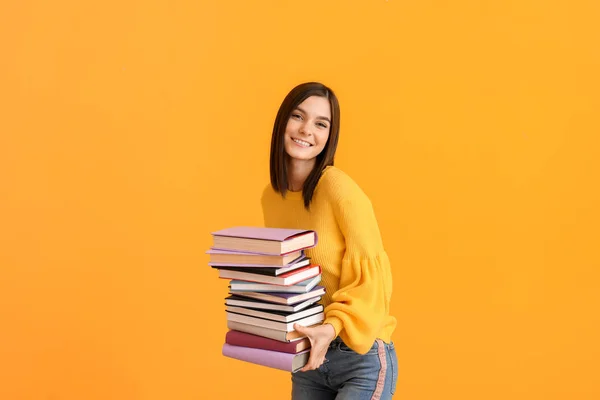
<point x="296" y="116"/>
<point x="322" y="125"/>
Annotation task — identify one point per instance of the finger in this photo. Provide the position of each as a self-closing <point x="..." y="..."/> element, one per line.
<point x="303" y="330"/>
<point x="311" y="365"/>
<point x="299" y="328"/>
<point x="307" y="367"/>
<point x="314" y="361"/>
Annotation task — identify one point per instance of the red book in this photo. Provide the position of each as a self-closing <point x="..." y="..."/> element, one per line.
<point x="237" y="338"/>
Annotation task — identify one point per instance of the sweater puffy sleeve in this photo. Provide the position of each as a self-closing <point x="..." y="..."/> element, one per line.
<point x="360" y="306"/>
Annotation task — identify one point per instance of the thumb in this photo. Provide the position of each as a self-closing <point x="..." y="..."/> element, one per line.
<point x="303" y="330"/>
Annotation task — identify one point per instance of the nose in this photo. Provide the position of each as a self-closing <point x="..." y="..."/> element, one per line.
<point x="305" y="129"/>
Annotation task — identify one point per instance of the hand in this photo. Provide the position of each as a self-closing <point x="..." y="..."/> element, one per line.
<point x="320" y="337"/>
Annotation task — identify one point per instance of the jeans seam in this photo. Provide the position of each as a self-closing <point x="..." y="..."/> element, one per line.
<point x="394" y="367"/>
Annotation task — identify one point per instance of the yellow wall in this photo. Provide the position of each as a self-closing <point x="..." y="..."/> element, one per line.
<point x="130" y="130"/>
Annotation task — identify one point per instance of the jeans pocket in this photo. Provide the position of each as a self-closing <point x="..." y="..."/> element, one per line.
<point x="345" y="349"/>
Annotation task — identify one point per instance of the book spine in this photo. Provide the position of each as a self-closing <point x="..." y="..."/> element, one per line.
<point x="237" y="338"/>
<point x="266" y="288"/>
<point x="260" y="322"/>
<point x="280" y="336"/>
<point x="267" y="358"/>
<point x="247" y="277"/>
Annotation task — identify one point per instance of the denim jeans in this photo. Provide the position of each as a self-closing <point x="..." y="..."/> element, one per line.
<point x="347" y="375"/>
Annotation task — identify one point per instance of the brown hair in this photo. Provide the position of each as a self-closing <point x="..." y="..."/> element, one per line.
<point x="279" y="157"/>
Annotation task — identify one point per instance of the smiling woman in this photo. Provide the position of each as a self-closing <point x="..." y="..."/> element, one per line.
<point x="307" y="131"/>
<point x="304" y="140"/>
<point x="352" y="354"/>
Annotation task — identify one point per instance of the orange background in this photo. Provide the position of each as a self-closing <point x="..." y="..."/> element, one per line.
<point x="130" y="130"/>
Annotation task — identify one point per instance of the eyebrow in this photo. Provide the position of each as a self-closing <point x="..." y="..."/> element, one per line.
<point x="319" y="117"/>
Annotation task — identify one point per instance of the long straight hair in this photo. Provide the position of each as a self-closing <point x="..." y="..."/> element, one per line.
<point x="279" y="157"/>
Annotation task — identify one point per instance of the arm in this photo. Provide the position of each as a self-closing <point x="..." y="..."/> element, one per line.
<point x="361" y="304"/>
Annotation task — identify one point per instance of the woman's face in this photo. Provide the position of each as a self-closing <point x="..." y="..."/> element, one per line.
<point x="308" y="129"/>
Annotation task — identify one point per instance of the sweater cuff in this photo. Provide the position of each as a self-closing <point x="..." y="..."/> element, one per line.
<point x="336" y="323"/>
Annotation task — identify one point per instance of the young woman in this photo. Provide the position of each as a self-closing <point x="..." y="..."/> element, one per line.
<point x="352" y="355"/>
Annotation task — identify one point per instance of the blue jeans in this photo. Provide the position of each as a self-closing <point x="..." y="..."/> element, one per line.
<point x="347" y="375"/>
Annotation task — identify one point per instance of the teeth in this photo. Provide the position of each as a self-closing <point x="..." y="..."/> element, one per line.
<point x="302" y="142"/>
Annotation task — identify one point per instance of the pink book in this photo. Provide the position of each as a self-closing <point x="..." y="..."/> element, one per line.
<point x="274" y="241"/>
<point x="237" y="338"/>
<point x="268" y="358"/>
<point x="229" y="258"/>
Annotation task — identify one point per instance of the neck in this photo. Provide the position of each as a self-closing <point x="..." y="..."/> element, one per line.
<point x="298" y="171"/>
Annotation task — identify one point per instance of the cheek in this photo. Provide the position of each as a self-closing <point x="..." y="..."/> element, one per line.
<point x="291" y="126"/>
<point x="322" y="138"/>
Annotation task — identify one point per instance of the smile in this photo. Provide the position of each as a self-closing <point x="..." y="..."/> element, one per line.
<point x="302" y="142"/>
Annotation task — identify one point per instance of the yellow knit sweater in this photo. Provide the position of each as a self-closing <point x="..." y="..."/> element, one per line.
<point x="356" y="268"/>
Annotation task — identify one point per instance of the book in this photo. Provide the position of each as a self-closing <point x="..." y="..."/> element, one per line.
<point x="281" y="326"/>
<point x="282" y="298"/>
<point x="274" y="241"/>
<point x="268" y="358"/>
<point x="243" y="259"/>
<point x="241" y="301"/>
<point x="276" y="315"/>
<point x="287" y="279"/>
<point x="281" y="336"/>
<point x="300" y="287"/>
<point x="266" y="270"/>
<point x="237" y="338"/>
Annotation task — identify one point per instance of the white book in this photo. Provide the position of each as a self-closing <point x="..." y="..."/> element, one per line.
<point x="288" y="279"/>
<point x="276" y="315"/>
<point x="281" y="336"/>
<point x="249" y="303"/>
<point x="300" y="287"/>
<point x="281" y="326"/>
<point x="282" y="298"/>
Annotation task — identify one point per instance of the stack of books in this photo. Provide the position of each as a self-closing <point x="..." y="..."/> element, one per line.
<point x="273" y="286"/>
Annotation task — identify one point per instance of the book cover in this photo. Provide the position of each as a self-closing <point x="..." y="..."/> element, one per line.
<point x="269" y="270"/>
<point x="247" y="302"/>
<point x="281" y="298"/>
<point x="262" y="240"/>
<point x="274" y="315"/>
<point x="238" y="338"/>
<point x="243" y="259"/>
<point x="281" y="326"/>
<point x="262" y="233"/>
<point x="288" y="279"/>
<point x="268" y="358"/>
<point x="274" y="334"/>
<point x="300" y="287"/>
